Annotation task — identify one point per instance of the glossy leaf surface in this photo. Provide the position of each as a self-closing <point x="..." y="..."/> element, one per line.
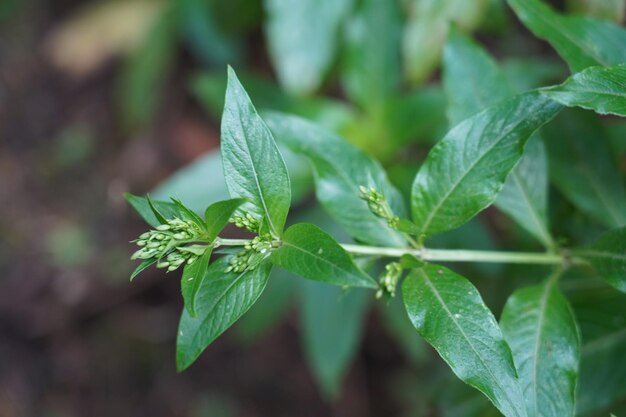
<point x="340" y="169"/>
<point x="473" y="81"/>
<point x="466" y="170"/>
<point x="601" y="89"/>
<point x="222" y="299"/>
<point x="447" y="311"/>
<point x="253" y="166"/>
<point x="310" y="252"/>
<point x="540" y="327"/>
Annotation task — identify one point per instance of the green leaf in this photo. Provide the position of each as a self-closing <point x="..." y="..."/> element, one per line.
<point x="608" y="256"/>
<point x="473" y="81"/>
<point x="601" y="89"/>
<point x="602" y="373"/>
<point x="331" y="113"/>
<point x="253" y="166"/>
<point x="371" y="70"/>
<point x="140" y="84"/>
<point x="221" y="300"/>
<point x="142" y="266"/>
<point x="601" y="312"/>
<point x="270" y="309"/>
<point x="332" y="322"/>
<point x="582" y="42"/>
<point x="540" y="327"/>
<point x="142" y="206"/>
<point x="312" y="253"/>
<point x="583" y="168"/>
<point x="302" y="39"/>
<point x="466" y="170"/>
<point x="189" y="214"/>
<point x="399" y="326"/>
<point x="449" y="313"/>
<point x="191" y="281"/>
<point x="427" y="29"/>
<point x="190" y="183"/>
<point x="216" y="216"/>
<point x="340" y="169"/>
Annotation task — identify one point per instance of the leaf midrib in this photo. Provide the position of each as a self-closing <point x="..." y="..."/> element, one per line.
<point x="542" y="310"/>
<point x="451" y="317"/>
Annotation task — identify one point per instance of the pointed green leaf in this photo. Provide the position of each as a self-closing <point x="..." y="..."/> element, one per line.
<point x="253" y="166"/>
<point x="583" y="168"/>
<point x="540" y="327"/>
<point x="189" y="214"/>
<point x="371" y="71"/>
<point x="302" y="39"/>
<point x="447" y="311"/>
<point x="143" y="208"/>
<point x="221" y="300"/>
<point x="310" y="252"/>
<point x="581" y="41"/>
<point x="331" y="323"/>
<point x="466" y="170"/>
<point x="608" y="256"/>
<point x="140" y="268"/>
<point x="473" y="81"/>
<point x="340" y="169"/>
<point x="191" y="281"/>
<point x="217" y="215"/>
<point x="601" y="89"/>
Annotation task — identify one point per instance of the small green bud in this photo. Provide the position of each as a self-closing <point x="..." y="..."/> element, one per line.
<point x="145" y="235"/>
<point x="141" y="242"/>
<point x="162" y="264"/>
<point x="163" y="227"/>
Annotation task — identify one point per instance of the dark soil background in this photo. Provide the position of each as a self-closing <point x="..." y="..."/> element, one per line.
<point x="76" y="338"/>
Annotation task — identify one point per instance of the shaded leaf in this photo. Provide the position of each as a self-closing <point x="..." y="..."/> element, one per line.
<point x="312" y="253"/>
<point x="332" y="322"/>
<point x="253" y="166"/>
<point x="427" y="29"/>
<point x="371" y="70"/>
<point x="601" y="89"/>
<point x="581" y="41"/>
<point x="541" y="329"/>
<point x="221" y="300"/>
<point x="608" y="256"/>
<point x="302" y="39"/>
<point x="340" y="169"/>
<point x="449" y="313"/>
<point x="583" y="168"/>
<point x="473" y="81"/>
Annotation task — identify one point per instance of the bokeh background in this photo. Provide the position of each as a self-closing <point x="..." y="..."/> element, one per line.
<point x="102" y="97"/>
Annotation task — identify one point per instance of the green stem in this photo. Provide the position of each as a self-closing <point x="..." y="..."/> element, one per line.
<point x="448" y="255"/>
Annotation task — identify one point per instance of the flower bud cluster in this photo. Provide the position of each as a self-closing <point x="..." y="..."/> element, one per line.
<point x="247" y="221"/>
<point x="389" y="280"/>
<point x="251" y="256"/>
<point x="167" y="239"/>
<point x="378" y="205"/>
